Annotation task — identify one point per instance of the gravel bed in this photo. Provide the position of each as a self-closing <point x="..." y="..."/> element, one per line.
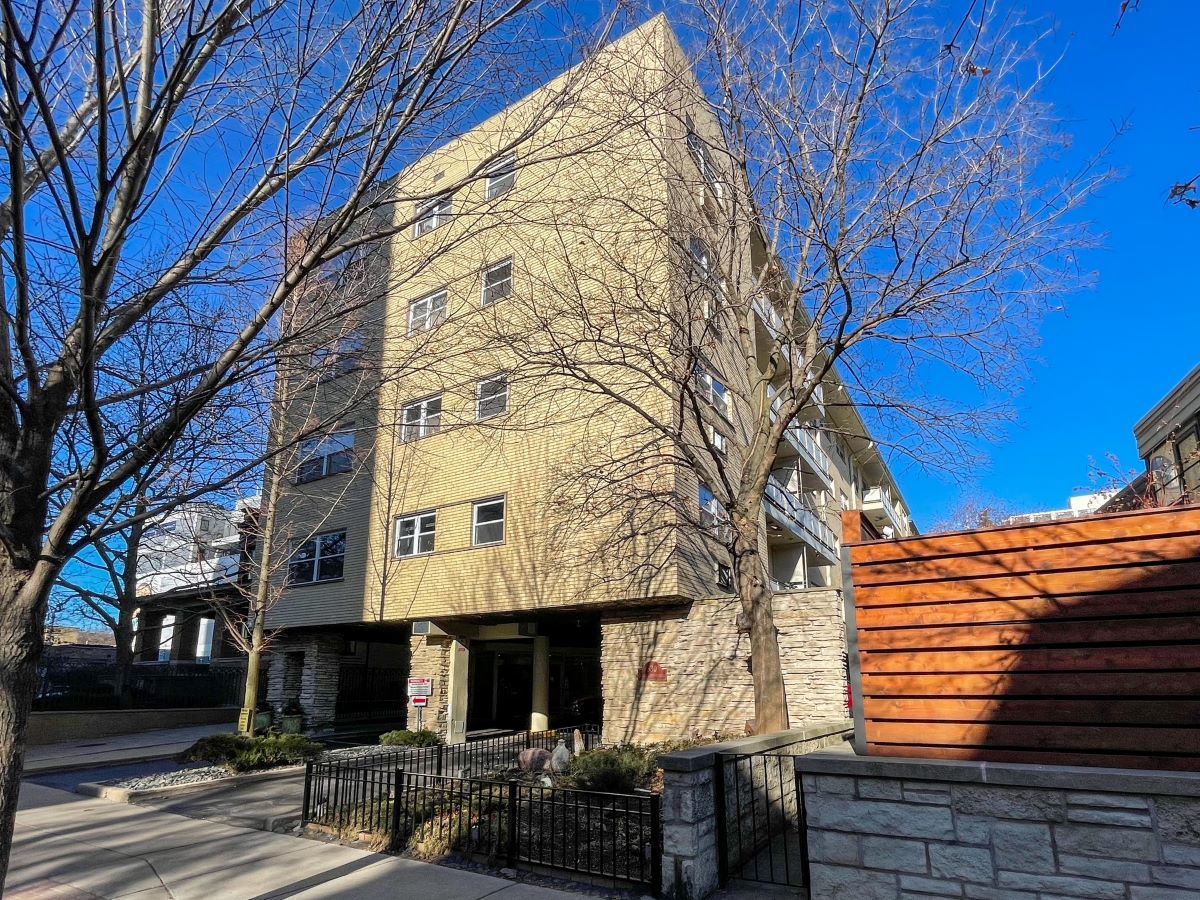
<point x="199" y="774"/>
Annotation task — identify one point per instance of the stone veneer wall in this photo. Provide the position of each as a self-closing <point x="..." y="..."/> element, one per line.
<point x="707" y="687"/>
<point x="318" y="681"/>
<point x="886" y="828"/>
<point x="690" y="864"/>
<point x="430" y="658"/>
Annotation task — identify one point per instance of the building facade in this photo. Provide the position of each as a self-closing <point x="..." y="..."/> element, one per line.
<point x="192" y="561"/>
<point x="523" y="507"/>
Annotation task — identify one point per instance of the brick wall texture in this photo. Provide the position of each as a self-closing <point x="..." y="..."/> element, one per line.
<point x="887" y="838"/>
<point x="705" y="663"/>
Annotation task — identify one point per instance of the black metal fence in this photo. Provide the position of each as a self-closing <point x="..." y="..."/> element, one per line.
<point x="614" y="837"/>
<point x="339" y="794"/>
<point x="761" y="829"/>
<point x="150" y="687"/>
<point x="433" y="798"/>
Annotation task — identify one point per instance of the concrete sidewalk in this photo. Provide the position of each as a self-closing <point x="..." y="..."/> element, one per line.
<point x="70" y="848"/>
<point x="120" y="748"/>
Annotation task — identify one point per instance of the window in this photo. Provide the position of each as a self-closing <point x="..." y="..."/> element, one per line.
<point x="703" y="158"/>
<point x="497" y="282"/>
<point x="341" y="358"/>
<point x="415" y="535"/>
<point x="320" y="559"/>
<point x="501" y="176"/>
<point x="704" y="270"/>
<point x="322" y="457"/>
<point x="713" y="391"/>
<point x="710" y="510"/>
<point x="422" y="418"/>
<point x="724" y="577"/>
<point x="491" y="397"/>
<point x="488" y="522"/>
<point x="427" y="313"/>
<point x="701" y="258"/>
<point x="720" y="443"/>
<point x="433" y="213"/>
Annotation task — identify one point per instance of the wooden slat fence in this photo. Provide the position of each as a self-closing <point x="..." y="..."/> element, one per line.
<point x="1074" y="642"/>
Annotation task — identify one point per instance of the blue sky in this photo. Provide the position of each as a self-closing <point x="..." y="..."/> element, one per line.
<point x="1122" y="344"/>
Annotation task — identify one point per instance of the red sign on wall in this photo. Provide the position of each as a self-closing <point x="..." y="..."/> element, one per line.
<point x="652" y="671"/>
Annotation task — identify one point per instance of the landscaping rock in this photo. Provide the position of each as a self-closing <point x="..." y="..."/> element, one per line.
<point x="533" y="759"/>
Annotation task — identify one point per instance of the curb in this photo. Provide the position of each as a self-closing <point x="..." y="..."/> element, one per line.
<point x="132" y="795"/>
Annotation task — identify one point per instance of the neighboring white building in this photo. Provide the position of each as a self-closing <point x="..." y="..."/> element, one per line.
<point x="1078" y="506"/>
<point x="195" y="545"/>
<point x="187" y="559"/>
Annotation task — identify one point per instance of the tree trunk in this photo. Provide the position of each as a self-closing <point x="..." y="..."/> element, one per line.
<point x="123" y="634"/>
<point x="253" y="665"/>
<point x="23" y="600"/>
<point x="770" y="698"/>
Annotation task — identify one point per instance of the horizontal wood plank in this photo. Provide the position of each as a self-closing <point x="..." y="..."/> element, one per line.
<point x="1143" y="551"/>
<point x="1040" y="584"/>
<point x="1174" y="741"/>
<point x="1033" y="684"/>
<point x="1150" y="659"/>
<point x="1029" y="609"/>
<point x="1027" y="635"/>
<point x="1164" y="523"/>
<point x="1075" y="711"/>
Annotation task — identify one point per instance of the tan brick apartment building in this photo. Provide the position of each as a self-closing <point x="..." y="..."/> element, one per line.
<point x="502" y="519"/>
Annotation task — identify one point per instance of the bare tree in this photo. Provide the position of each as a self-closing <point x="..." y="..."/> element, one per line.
<point x="167" y="151"/>
<point x="862" y="215"/>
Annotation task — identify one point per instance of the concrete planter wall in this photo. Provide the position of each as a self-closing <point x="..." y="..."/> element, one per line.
<point x="887" y="828"/>
<point x="52" y="727"/>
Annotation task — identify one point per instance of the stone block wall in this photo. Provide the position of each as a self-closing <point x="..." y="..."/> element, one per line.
<point x="430" y="658"/>
<point x="701" y="683"/>
<point x="882" y="829"/>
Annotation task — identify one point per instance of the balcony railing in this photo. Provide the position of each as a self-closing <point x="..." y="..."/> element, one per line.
<point x="805" y="441"/>
<point x="881" y="510"/>
<point x="802" y="518"/>
<point x="768" y="314"/>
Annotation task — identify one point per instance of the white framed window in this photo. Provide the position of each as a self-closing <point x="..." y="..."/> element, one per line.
<point x="321" y="457"/>
<point x="502" y="175"/>
<point x="321" y="558"/>
<point x="487" y="522"/>
<point x="432" y="214"/>
<point x="713" y="390"/>
<point x="720" y="443"/>
<point x="497" y="282"/>
<point x="491" y="397"/>
<point x="710" y="509"/>
<point x="416" y="535"/>
<point x="427" y="313"/>
<point x="421" y="418"/>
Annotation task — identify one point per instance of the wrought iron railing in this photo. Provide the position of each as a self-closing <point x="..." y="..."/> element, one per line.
<point x="422" y="797"/>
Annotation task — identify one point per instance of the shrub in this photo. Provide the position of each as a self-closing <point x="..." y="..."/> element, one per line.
<point x="616" y="770"/>
<point x="242" y="753"/>
<point x="405" y="738"/>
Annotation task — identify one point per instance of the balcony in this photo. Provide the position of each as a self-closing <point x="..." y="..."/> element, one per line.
<point x="768" y="315"/>
<point x="882" y="512"/>
<point x="793" y="513"/>
<point x="813" y="458"/>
